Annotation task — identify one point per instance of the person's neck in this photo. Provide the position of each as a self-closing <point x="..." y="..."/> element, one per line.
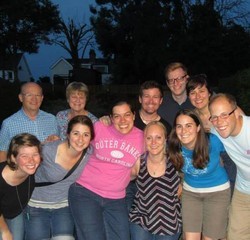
<point x="238" y="127"/>
<point x="157" y="159"/>
<point x="180" y="98"/>
<point x="14" y="177"/>
<point x="148" y="117"/>
<point x="203" y="112"/>
<point x="31" y="114"/>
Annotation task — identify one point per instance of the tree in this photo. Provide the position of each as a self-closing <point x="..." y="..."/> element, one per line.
<point x="25" y="24"/>
<point x="74" y="38"/>
<point x="134" y="33"/>
<point x="144" y="35"/>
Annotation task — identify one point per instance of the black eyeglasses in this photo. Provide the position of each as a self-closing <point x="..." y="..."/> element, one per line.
<point x="214" y="119"/>
<point x="178" y="80"/>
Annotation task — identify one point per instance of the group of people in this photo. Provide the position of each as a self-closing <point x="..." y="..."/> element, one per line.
<point x="153" y="173"/>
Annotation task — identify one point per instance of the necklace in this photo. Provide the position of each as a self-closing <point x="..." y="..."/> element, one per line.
<point x="156" y="168"/>
<point x="19" y="200"/>
<point x="146" y="121"/>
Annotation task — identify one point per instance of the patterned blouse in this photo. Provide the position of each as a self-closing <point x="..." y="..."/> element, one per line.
<point x="156" y="207"/>
<point x="62" y="118"/>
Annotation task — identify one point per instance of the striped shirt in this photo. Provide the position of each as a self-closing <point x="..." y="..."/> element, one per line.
<point x="156" y="207"/>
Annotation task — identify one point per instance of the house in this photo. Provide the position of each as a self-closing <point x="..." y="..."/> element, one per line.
<point x="15" y="67"/>
<point x="92" y="70"/>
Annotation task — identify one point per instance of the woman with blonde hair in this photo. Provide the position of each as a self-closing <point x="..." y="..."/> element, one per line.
<point x="156" y="211"/>
<point x="77" y="94"/>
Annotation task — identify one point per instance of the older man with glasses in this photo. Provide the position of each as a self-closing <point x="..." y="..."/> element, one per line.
<point x="176" y="78"/>
<point x="233" y="129"/>
<point x="29" y="119"/>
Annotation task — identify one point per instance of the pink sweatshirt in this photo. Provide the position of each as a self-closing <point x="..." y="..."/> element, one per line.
<point x="107" y="172"/>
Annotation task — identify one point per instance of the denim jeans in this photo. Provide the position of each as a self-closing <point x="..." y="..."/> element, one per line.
<point x="41" y="223"/>
<point x="98" y="218"/>
<point x="16" y="227"/>
<point x="138" y="233"/>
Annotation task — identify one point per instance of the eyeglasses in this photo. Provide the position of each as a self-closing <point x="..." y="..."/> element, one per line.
<point x="222" y="116"/>
<point x="178" y="80"/>
<point x="30" y="95"/>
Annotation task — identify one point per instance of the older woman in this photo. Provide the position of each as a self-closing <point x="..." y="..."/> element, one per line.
<point x="77" y="95"/>
<point x="17" y="184"/>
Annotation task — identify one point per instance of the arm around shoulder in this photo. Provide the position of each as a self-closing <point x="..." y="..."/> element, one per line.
<point x="135" y="169"/>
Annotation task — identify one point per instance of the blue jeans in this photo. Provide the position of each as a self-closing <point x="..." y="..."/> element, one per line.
<point x="138" y="233"/>
<point x="98" y="218"/>
<point x="16" y="227"/>
<point x="41" y="223"/>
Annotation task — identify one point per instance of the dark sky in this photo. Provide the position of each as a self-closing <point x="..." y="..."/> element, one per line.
<point x="47" y="55"/>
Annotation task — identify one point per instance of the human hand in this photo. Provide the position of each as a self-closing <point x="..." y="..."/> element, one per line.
<point x="179" y="190"/>
<point x="6" y="235"/>
<point x="52" y="138"/>
<point x="105" y="120"/>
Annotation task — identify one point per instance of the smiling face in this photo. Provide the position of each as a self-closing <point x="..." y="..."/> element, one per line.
<point x="31" y="97"/>
<point x="199" y="97"/>
<point x="79" y="137"/>
<point x="27" y="160"/>
<point x="150" y="100"/>
<point x="155" y="139"/>
<point x="186" y="131"/>
<point x="225" y="126"/>
<point x="178" y="88"/>
<point x="123" y="118"/>
<point x="77" y="101"/>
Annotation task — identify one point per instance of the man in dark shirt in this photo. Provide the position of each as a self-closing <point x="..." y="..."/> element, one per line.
<point x="176" y="78"/>
<point x="150" y="98"/>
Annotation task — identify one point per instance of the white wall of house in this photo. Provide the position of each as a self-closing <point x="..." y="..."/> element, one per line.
<point x="61" y="68"/>
<point x="23" y="71"/>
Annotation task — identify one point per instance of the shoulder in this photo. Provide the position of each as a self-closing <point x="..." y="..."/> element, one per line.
<point x="215" y="142"/>
<point x="62" y="113"/>
<point x="50" y="146"/>
<point x="188" y="104"/>
<point x="13" y="117"/>
<point x="92" y="117"/>
<point x="46" y="114"/>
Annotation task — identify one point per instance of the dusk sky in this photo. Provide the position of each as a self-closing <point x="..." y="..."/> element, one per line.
<point x="40" y="63"/>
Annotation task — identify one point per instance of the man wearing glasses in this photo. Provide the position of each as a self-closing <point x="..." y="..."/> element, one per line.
<point x="233" y="129"/>
<point x="176" y="78"/>
<point x="29" y="119"/>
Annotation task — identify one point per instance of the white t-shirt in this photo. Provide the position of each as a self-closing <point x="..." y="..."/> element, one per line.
<point x="238" y="148"/>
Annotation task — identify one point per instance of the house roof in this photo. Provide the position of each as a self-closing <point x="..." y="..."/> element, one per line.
<point x="10" y="62"/>
<point x="99" y="61"/>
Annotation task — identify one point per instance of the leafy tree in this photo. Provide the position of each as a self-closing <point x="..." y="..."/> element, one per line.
<point x="74" y="38"/>
<point x="134" y="33"/>
<point x="25" y="24"/>
<point x="142" y="36"/>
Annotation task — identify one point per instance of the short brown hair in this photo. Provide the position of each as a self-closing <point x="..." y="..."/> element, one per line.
<point x="21" y="140"/>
